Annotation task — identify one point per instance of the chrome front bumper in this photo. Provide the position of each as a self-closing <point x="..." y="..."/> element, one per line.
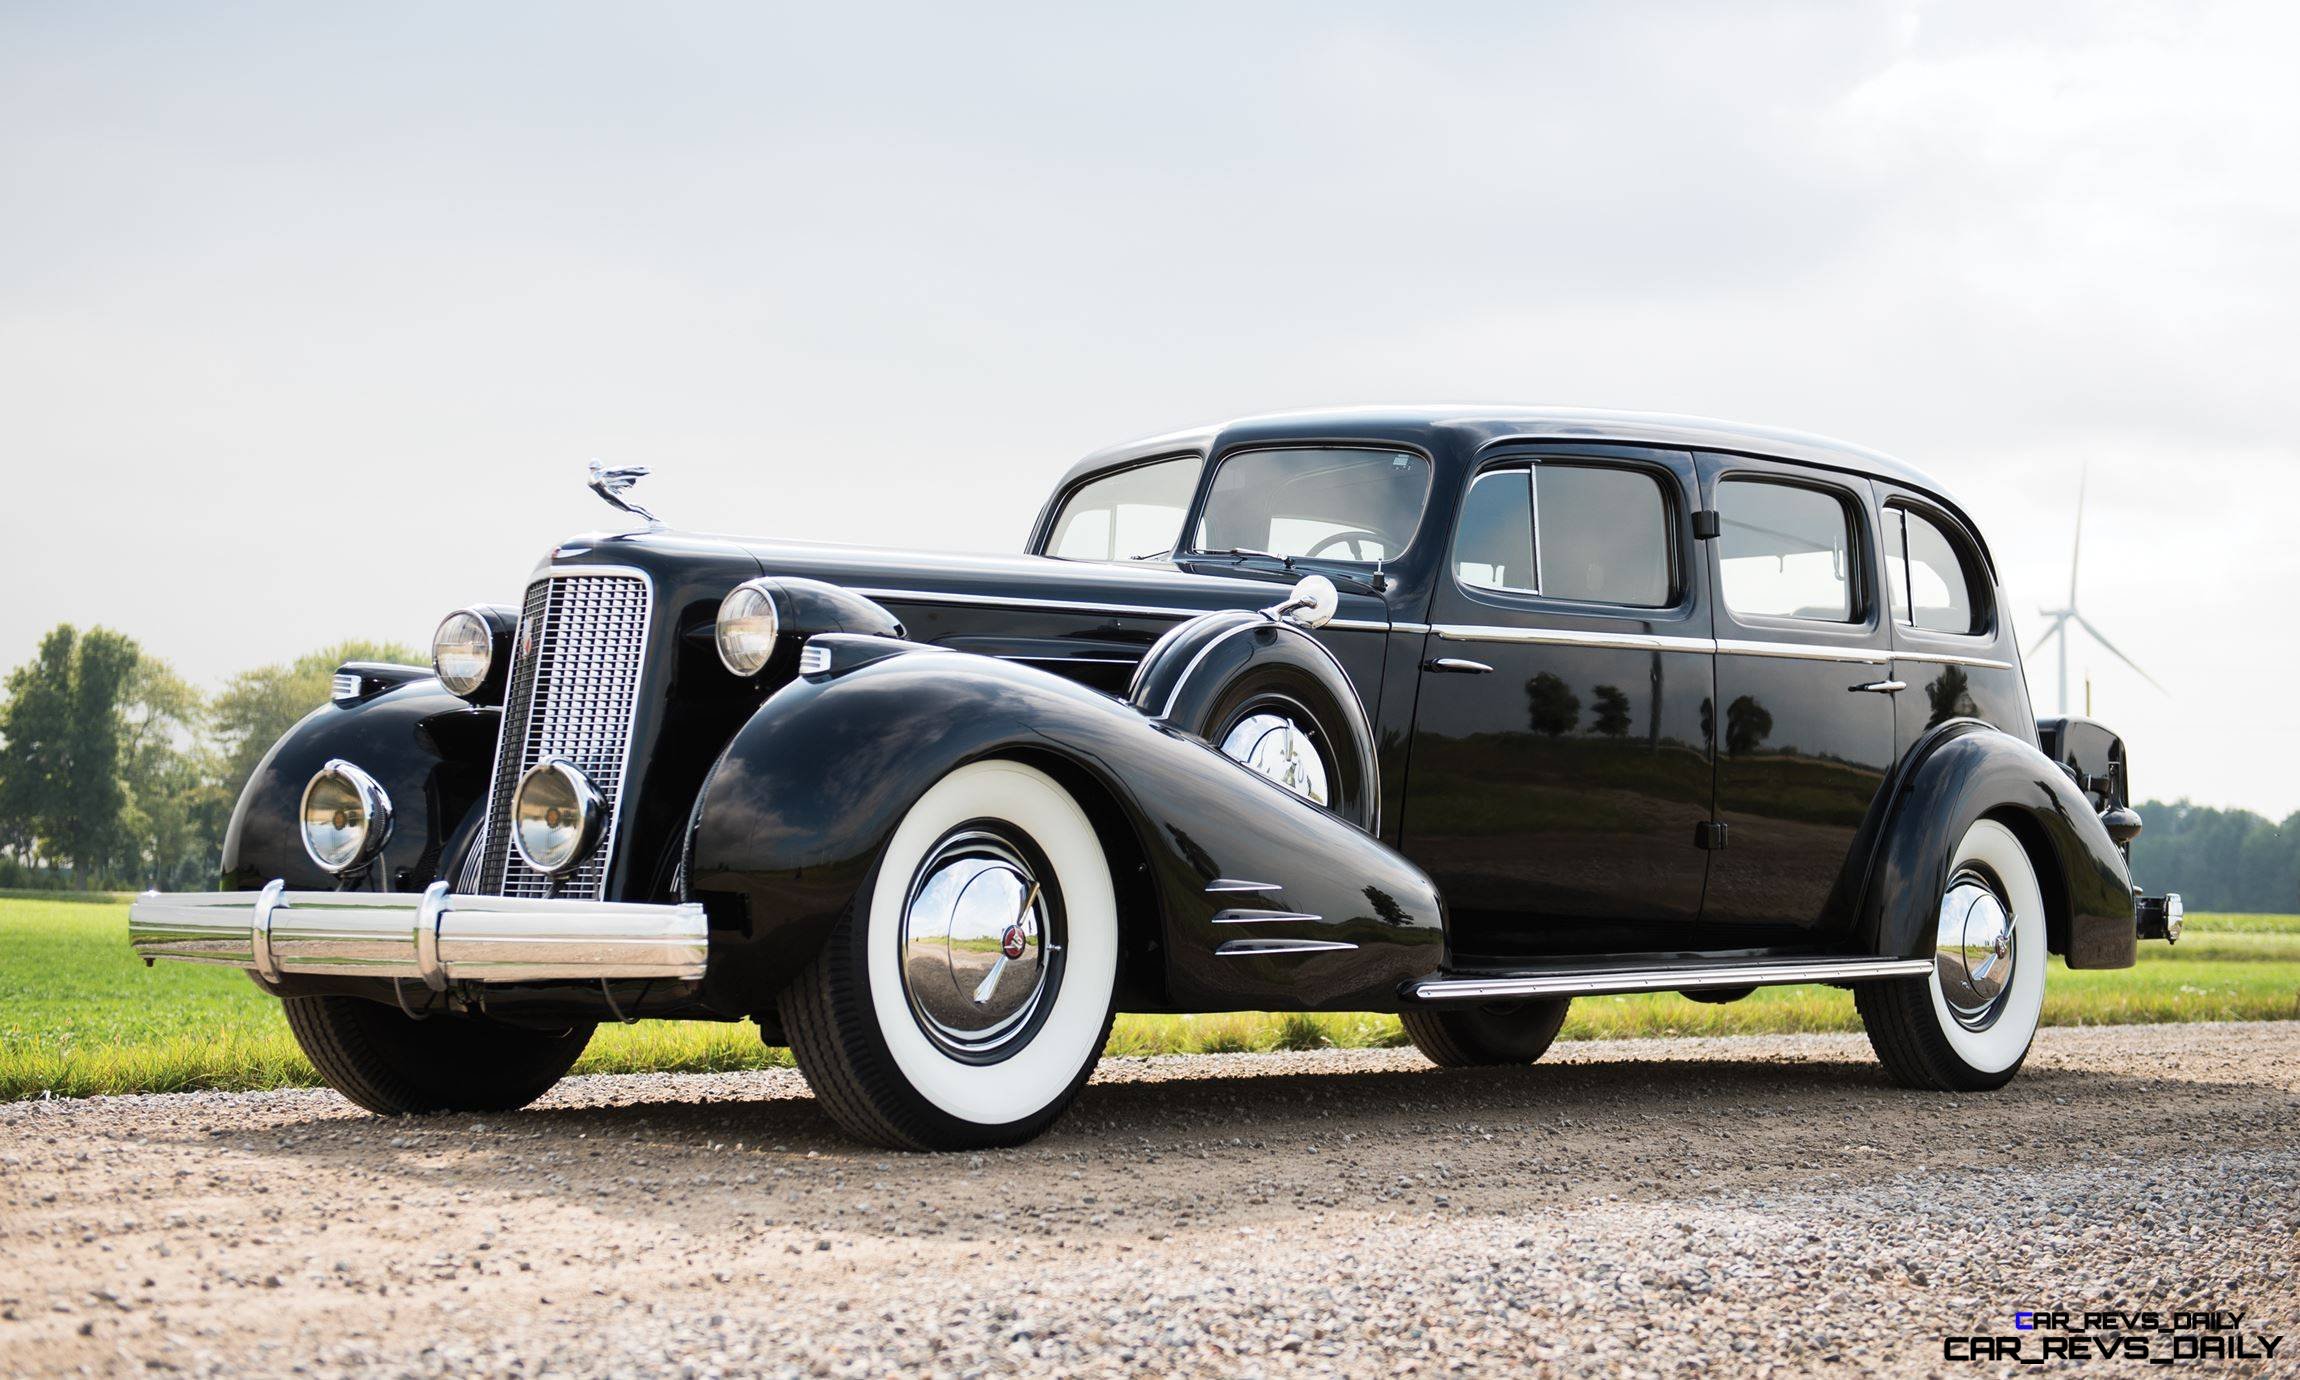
<point x="435" y="936"/>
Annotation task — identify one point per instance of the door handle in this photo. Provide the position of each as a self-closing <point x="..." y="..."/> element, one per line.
<point x="1455" y="663"/>
<point x="1880" y="687"/>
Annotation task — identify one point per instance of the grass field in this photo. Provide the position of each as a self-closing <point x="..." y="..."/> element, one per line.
<point x="80" y="1016"/>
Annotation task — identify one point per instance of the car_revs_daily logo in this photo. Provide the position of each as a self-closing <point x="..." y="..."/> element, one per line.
<point x="2157" y="1336"/>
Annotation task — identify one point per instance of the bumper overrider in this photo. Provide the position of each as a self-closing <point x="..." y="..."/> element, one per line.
<point x="436" y="936"/>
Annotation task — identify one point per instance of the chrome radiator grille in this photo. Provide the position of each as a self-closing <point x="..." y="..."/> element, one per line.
<point x="573" y="694"/>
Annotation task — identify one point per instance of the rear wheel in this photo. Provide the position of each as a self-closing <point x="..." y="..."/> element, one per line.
<point x="1967" y="1025"/>
<point x="392" y="1064"/>
<point x="967" y="997"/>
<point x="1457" y="1037"/>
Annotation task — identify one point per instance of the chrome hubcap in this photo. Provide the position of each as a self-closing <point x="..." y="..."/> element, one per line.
<point x="1279" y="748"/>
<point x="1975" y="951"/>
<point x="981" y="947"/>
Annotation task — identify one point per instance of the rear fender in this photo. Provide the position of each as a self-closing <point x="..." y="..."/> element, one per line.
<point x="1966" y="770"/>
<point x="807" y="794"/>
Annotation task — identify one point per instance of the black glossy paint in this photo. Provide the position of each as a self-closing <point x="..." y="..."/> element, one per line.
<point x="810" y="789"/>
<point x="1965" y="770"/>
<point x="1555" y="798"/>
<point x="1555" y="801"/>
<point x="428" y="750"/>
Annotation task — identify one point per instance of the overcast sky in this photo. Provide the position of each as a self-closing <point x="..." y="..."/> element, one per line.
<point x="311" y="315"/>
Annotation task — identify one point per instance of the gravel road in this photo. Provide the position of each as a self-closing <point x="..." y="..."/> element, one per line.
<point x="1662" y="1207"/>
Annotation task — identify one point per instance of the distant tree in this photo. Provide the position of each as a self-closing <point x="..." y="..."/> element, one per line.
<point x="34" y="728"/>
<point x="61" y="796"/>
<point x="2218" y="859"/>
<point x="177" y="808"/>
<point x="257" y="706"/>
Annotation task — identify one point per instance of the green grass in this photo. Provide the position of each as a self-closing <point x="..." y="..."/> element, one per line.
<point x="80" y="1016"/>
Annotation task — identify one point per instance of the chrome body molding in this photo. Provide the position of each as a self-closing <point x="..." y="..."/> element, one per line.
<point x="1598" y="982"/>
<point x="344" y="686"/>
<point x="1665" y="642"/>
<point x="1949" y="659"/>
<point x="1263" y="948"/>
<point x="1222" y="885"/>
<point x="1008" y="601"/>
<point x="1266" y="917"/>
<point x="1572" y="637"/>
<point x="433" y="936"/>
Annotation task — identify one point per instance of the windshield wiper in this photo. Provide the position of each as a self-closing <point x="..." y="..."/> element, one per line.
<point x="1286" y="561"/>
<point x="1362" y="585"/>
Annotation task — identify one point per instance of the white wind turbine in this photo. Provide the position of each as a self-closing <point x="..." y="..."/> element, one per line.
<point x="2060" y="618"/>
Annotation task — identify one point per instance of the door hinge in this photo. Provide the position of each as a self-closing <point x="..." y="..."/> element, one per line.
<point x="1706" y="525"/>
<point x="1709" y="835"/>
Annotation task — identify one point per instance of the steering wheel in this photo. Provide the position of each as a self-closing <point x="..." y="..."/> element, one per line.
<point x="1351" y="541"/>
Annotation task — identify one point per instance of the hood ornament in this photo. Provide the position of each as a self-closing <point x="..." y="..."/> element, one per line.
<point x="613" y="484"/>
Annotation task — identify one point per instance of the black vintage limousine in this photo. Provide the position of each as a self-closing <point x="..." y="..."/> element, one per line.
<point x="1452" y="712"/>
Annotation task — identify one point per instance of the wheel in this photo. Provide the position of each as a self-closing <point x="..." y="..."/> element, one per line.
<point x="1460" y="1037"/>
<point x="392" y="1064"/>
<point x="1967" y="1025"/>
<point x="967" y="996"/>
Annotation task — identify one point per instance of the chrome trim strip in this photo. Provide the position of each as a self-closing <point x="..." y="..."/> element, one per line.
<point x="1259" y="948"/>
<point x="1571" y="637"/>
<point x="345" y="685"/>
<point x="1804" y="651"/>
<point x="1448" y="989"/>
<point x="380" y="934"/>
<point x="1947" y="659"/>
<point x="1222" y="885"/>
<point x="1265" y="917"/>
<point x="936" y="596"/>
<point x="1661" y="642"/>
<point x="1203" y="652"/>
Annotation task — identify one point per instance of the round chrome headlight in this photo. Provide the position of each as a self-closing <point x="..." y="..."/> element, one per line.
<point x="748" y="626"/>
<point x="346" y="817"/>
<point x="555" y="817"/>
<point x="463" y="652"/>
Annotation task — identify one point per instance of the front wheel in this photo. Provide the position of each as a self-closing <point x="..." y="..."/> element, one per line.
<point x="392" y="1064"/>
<point x="1967" y="1025"/>
<point x="967" y="997"/>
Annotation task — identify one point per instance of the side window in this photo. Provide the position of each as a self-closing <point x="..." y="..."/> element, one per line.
<point x="1785" y="551"/>
<point x="1494" y="548"/>
<point x="1601" y="535"/>
<point x="1931" y="575"/>
<point x="1591" y="533"/>
<point x="1132" y="514"/>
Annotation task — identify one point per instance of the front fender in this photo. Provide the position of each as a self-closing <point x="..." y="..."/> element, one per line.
<point x="1961" y="772"/>
<point x="806" y="795"/>
<point x="428" y="749"/>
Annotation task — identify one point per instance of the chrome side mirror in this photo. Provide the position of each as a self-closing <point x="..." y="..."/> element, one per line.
<point x="1312" y="604"/>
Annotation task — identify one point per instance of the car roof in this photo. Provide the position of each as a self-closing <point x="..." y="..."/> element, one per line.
<point x="1484" y="424"/>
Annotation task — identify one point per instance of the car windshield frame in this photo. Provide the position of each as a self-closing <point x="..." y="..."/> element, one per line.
<point x="1209" y="483"/>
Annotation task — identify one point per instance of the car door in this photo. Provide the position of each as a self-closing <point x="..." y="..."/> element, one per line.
<point x="1559" y="766"/>
<point x="1804" y="716"/>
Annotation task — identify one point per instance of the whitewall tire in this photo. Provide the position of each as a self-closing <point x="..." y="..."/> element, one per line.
<point x="969" y="995"/>
<point x="1967" y="1025"/>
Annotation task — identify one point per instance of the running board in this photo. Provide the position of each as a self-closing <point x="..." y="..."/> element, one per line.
<point x="1592" y="983"/>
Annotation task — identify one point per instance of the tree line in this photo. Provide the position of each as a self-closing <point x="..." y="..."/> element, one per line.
<point x="117" y="773"/>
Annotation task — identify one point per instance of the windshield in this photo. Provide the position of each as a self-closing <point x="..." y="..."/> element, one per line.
<point x="1353" y="506"/>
